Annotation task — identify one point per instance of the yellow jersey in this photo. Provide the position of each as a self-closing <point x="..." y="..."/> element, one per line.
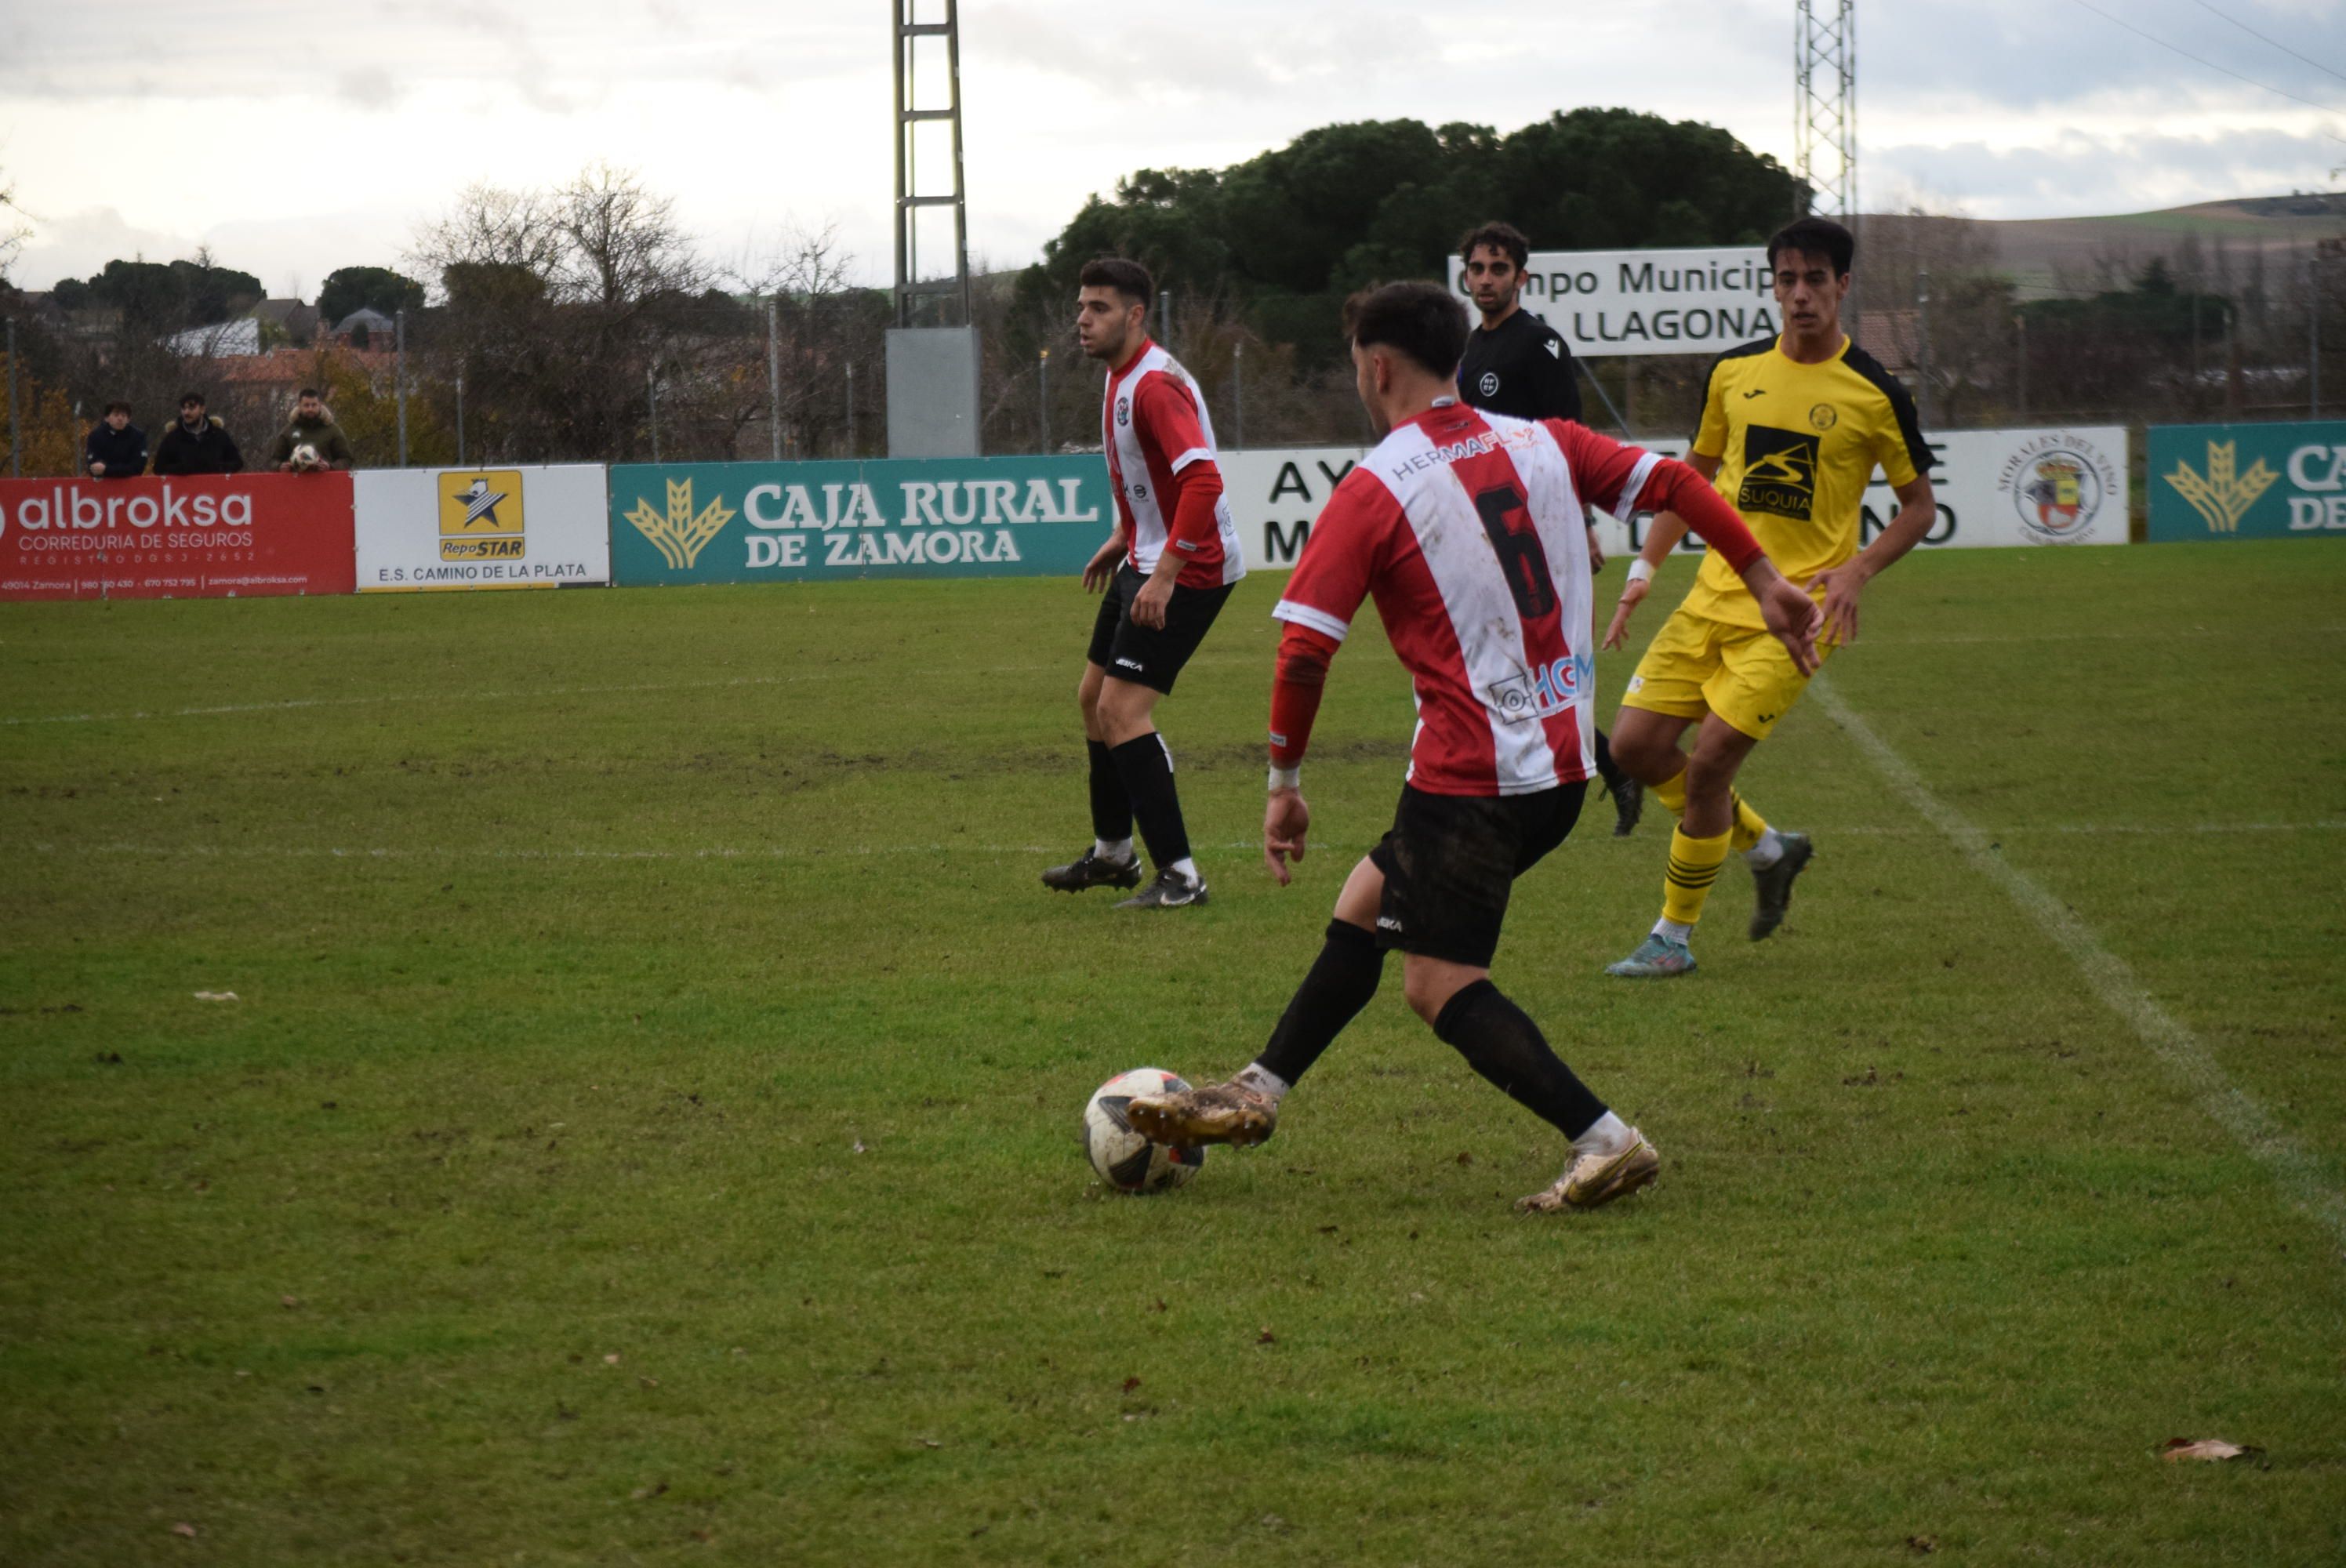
<point x="1797" y="445"/>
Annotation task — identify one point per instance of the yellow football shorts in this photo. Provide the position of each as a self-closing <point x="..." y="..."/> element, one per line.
<point x="1696" y="665"/>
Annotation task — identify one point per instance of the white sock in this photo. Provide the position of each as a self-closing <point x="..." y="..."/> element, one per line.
<point x="1187" y="869"/>
<point x="1766" y="852"/>
<point x="1673" y="931"/>
<point x="1609" y="1136"/>
<point x="1263" y="1080"/>
<point x="1120" y="850"/>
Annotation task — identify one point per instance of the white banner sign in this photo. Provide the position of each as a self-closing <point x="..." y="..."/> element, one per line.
<point x="1615" y="302"/>
<point x="1992" y="486"/>
<point x="422" y="528"/>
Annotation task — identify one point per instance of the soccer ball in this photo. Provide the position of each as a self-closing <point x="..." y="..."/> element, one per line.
<point x="1125" y="1160"/>
<point x="305" y="458"/>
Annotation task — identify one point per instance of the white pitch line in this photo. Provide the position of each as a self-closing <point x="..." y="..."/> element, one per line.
<point x="446" y="695"/>
<point x="2112" y="978"/>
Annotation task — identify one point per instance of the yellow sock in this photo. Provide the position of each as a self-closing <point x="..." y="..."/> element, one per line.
<point x="1694" y="866"/>
<point x="1671" y="793"/>
<point x="1749" y="824"/>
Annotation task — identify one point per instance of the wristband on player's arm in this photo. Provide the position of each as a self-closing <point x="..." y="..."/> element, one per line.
<point x="1641" y="570"/>
<point x="1285" y="778"/>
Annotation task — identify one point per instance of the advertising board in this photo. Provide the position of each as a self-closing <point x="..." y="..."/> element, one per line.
<point x="423" y="529"/>
<point x="819" y="522"/>
<point x="2248" y="480"/>
<point x="211" y="536"/>
<point x="1616" y="302"/>
<point x="1992" y="487"/>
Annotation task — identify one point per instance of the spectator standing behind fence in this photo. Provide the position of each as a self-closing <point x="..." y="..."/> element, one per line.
<point x="197" y="444"/>
<point x="117" y="448"/>
<point x="311" y="432"/>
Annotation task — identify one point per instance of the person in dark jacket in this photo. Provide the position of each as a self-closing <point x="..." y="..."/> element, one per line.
<point x="117" y="448"/>
<point x="314" y="428"/>
<point x="197" y="444"/>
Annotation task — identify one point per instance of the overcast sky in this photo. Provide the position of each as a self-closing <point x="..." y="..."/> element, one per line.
<point x="292" y="138"/>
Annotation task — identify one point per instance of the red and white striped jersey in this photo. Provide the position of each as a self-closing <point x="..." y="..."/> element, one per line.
<point x="1153" y="424"/>
<point x="1471" y="531"/>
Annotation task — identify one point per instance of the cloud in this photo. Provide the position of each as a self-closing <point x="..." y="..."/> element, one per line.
<point x="2071" y="173"/>
<point x="368" y="87"/>
<point x="81" y="243"/>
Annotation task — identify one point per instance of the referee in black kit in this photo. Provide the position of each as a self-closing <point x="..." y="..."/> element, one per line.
<point x="1517" y="364"/>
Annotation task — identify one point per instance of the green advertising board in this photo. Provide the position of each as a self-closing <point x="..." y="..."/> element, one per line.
<point x="2248" y="480"/>
<point x="823" y="522"/>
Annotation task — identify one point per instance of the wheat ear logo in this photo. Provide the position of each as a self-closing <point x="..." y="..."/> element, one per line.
<point x="680" y="535"/>
<point x="2223" y="497"/>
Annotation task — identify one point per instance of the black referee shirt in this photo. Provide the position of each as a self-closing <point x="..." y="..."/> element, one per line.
<point x="1522" y="368"/>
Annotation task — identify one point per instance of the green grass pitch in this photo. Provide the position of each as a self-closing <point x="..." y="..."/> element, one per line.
<point x="646" y="1131"/>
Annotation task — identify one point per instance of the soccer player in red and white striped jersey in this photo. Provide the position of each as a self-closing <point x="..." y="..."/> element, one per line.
<point x="1469" y="532"/>
<point x="1167" y="569"/>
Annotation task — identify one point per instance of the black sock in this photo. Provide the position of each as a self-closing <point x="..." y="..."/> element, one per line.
<point x="1147" y="769"/>
<point x="1341" y="981"/>
<point x="1607" y="769"/>
<point x="1111" y="808"/>
<point x="1501" y="1041"/>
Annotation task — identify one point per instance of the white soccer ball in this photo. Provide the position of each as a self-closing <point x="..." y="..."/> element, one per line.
<point x="1125" y="1160"/>
<point x="305" y="458"/>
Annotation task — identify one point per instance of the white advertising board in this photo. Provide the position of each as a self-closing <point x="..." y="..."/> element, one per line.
<point x="1992" y="486"/>
<point x="423" y="529"/>
<point x="1609" y="303"/>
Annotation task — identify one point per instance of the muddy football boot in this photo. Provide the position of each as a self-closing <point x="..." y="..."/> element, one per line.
<point x="1216" y="1113"/>
<point x="1595" y="1180"/>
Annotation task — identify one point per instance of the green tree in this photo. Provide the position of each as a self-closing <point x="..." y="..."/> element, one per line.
<point x="1286" y="234"/>
<point x="350" y="289"/>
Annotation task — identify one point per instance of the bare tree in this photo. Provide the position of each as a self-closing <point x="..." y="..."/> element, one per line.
<point x="823" y="328"/>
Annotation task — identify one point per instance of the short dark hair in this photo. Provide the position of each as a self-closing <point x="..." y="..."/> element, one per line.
<point x="1129" y="279"/>
<point x="191" y="397"/>
<point x="1423" y="321"/>
<point x="1501" y="237"/>
<point x="118" y="406"/>
<point x="1816" y="236"/>
<point x="307" y="392"/>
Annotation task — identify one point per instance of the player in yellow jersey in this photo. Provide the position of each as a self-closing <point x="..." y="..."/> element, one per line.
<point x="1792" y="428"/>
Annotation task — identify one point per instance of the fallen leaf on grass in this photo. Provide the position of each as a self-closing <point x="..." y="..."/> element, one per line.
<point x="187" y="1529"/>
<point x="928" y="1443"/>
<point x="2210" y="1449"/>
<point x="1130" y="1384"/>
<point x="216" y="996"/>
<point x="1266" y="1338"/>
<point x="289" y="1302"/>
<point x="1921" y="1546"/>
<point x="612" y="1360"/>
<point x="641" y="1492"/>
<point x="1464" y="1158"/>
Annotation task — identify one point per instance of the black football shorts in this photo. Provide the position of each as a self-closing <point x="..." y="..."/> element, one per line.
<point x="1451" y="860"/>
<point x="1146" y="656"/>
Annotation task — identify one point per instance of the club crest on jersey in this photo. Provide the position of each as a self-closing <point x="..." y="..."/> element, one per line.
<point x="1124" y="411"/>
<point x="1489" y="383"/>
<point x="1546" y="689"/>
